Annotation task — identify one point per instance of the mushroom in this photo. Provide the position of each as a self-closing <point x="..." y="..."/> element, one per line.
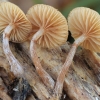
<point x="50" y="30"/>
<point x="15" y="27"/>
<point x="84" y="24"/>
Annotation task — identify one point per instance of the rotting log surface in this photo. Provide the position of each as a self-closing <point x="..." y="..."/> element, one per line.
<point x="81" y="82"/>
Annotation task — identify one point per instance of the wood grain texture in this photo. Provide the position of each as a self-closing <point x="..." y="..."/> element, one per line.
<point x="80" y="83"/>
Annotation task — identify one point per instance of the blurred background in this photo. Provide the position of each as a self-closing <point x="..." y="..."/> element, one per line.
<point x="65" y="6"/>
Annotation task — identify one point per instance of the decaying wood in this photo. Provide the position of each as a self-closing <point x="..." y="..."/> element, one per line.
<point x="80" y="83"/>
<point x="21" y="90"/>
<point x="93" y="60"/>
<point x="3" y="91"/>
<point x="37" y="86"/>
<point x="31" y="97"/>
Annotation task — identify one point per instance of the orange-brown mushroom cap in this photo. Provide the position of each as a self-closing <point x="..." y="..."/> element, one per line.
<point x="52" y="21"/>
<point x="86" y="21"/>
<point x="13" y="15"/>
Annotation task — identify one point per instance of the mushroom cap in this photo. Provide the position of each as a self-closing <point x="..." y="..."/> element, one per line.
<point x="12" y="14"/>
<point x="86" y="21"/>
<point x="52" y="22"/>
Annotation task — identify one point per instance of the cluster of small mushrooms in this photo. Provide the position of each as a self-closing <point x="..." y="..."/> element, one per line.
<point x="47" y="27"/>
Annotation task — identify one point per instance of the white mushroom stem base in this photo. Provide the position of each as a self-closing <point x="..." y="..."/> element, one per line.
<point x="46" y="78"/>
<point x="16" y="68"/>
<point x="60" y="79"/>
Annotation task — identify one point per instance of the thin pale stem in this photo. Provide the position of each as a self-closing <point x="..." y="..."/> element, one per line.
<point x="60" y="79"/>
<point x="46" y="78"/>
<point x="16" y="67"/>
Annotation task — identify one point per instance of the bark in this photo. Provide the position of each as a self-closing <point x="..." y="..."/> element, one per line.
<point x="21" y="90"/>
<point x="81" y="83"/>
<point x="3" y="91"/>
<point x="31" y="97"/>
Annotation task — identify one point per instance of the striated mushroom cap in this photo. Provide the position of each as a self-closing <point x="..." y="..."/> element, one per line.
<point x="53" y="23"/>
<point x="86" y="21"/>
<point x="13" y="15"/>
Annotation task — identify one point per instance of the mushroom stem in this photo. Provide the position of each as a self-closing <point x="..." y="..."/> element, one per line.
<point x="60" y="79"/>
<point x="46" y="78"/>
<point x="16" y="68"/>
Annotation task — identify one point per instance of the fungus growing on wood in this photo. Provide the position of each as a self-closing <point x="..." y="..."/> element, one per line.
<point x="15" y="27"/>
<point x="84" y="24"/>
<point x="50" y="30"/>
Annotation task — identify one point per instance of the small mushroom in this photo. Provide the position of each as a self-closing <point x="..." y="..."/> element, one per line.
<point x="50" y="30"/>
<point x="84" y="24"/>
<point x="15" y="27"/>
